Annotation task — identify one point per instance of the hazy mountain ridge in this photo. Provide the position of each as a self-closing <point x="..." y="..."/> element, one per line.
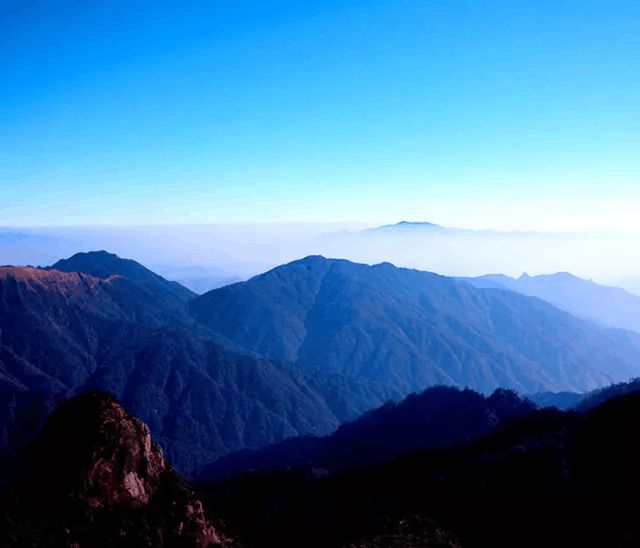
<point x="433" y="229"/>
<point x="412" y="329"/>
<point x="609" y="306"/>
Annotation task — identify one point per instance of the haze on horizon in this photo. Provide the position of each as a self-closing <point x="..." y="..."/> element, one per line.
<point x="204" y="256"/>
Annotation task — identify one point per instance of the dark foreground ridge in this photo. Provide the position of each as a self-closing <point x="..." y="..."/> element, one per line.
<point x="93" y="477"/>
<point x="438" y="418"/>
<point x="547" y="478"/>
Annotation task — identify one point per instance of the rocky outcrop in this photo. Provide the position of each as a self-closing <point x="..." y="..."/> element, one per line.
<point x="94" y="477"/>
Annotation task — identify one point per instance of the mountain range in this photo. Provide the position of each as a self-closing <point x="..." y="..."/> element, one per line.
<point x="317" y="376"/>
<point x="63" y="333"/>
<point x="297" y="350"/>
<point x="609" y="306"/>
<point x="413" y="329"/>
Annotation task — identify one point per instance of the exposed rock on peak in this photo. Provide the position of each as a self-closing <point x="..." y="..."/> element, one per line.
<point x="95" y="464"/>
<point x="97" y="452"/>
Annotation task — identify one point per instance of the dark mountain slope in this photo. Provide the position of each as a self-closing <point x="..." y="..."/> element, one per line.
<point x="62" y="333"/>
<point x="547" y="478"/>
<point x="609" y="306"/>
<point x="94" y="477"/>
<point x="596" y="397"/>
<point x="439" y="418"/>
<point x="413" y="329"/>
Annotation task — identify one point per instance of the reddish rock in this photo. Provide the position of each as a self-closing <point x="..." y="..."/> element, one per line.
<point x="94" y="477"/>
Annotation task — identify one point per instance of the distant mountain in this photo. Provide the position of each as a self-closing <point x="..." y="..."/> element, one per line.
<point x="609" y="306"/>
<point x="425" y="228"/>
<point x="63" y="333"/>
<point x="94" y="477"/>
<point x="440" y="417"/>
<point x="408" y="225"/>
<point x="631" y="284"/>
<point x="412" y="329"/>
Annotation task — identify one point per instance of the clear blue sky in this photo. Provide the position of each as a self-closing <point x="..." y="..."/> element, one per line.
<point x="476" y="113"/>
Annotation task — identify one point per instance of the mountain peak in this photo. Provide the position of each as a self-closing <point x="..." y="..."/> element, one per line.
<point x="557" y="276"/>
<point x="413" y="224"/>
<point x="102" y="264"/>
<point x="567" y="276"/>
<point x="312" y="259"/>
<point x="417" y="223"/>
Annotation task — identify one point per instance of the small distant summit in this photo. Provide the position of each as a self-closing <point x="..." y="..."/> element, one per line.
<point x="403" y="225"/>
<point x="416" y="224"/>
<point x="558" y="276"/>
<point x="419" y="228"/>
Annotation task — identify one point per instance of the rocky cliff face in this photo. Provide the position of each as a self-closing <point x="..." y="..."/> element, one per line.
<point x="94" y="477"/>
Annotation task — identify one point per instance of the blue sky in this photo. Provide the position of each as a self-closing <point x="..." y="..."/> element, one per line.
<point x="478" y="113"/>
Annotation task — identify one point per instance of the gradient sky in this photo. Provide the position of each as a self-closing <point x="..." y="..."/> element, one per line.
<point x="502" y="114"/>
